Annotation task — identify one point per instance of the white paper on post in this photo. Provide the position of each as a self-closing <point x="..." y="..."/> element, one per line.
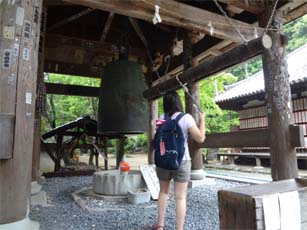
<point x="290" y="210"/>
<point x="271" y="212"/>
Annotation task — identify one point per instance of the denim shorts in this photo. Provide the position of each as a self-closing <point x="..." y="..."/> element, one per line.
<point x="180" y="175"/>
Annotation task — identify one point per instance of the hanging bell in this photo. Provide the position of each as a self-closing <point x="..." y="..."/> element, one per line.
<point x="122" y="107"/>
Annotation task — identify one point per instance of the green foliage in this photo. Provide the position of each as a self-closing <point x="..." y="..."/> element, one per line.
<point x="296" y="32"/>
<point x="217" y="120"/>
<point x="136" y="143"/>
<point x="68" y="108"/>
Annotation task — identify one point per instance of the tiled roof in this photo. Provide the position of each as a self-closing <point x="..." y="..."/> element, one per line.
<point x="297" y="67"/>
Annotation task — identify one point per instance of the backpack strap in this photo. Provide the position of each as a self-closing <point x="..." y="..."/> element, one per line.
<point x="179" y="116"/>
<point x="167" y="117"/>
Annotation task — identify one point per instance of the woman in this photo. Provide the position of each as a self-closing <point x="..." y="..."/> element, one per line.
<point x="173" y="107"/>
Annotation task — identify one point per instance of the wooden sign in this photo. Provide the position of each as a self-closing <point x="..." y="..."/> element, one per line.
<point x="151" y="179"/>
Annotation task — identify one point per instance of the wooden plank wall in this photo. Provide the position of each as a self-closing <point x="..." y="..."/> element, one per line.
<point x="19" y="35"/>
<point x="256" y="117"/>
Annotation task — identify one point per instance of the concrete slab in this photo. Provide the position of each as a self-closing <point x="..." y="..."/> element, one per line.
<point x="25" y="224"/>
<point x="41" y="180"/>
<point x="138" y="196"/>
<point x="198" y="174"/>
<point x="40" y="199"/>
<point x="113" y="183"/>
<point x="35" y="188"/>
<point x="203" y="182"/>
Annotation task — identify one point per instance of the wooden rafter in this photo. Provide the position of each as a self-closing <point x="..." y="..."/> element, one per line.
<point x="139" y="32"/>
<point x="85" y="70"/>
<point x="69" y="19"/>
<point x="289" y="12"/>
<point x="208" y="68"/>
<point x="72" y="90"/>
<point x="185" y="16"/>
<point x="107" y="27"/>
<point x="245" y="5"/>
<point x="292" y="10"/>
<point x="55" y="3"/>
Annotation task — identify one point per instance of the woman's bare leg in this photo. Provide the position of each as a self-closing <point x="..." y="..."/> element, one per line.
<point x="162" y="201"/>
<point x="180" y="196"/>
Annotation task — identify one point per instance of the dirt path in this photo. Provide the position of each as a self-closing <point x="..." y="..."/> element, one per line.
<point x="135" y="160"/>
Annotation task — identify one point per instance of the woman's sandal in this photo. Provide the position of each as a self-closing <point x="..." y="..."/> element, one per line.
<point x="157" y="227"/>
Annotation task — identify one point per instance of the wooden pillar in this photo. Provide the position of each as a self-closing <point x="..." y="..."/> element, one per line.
<point x="40" y="100"/>
<point x="278" y="96"/>
<point x="105" y="148"/>
<point x="153" y="116"/>
<point x="120" y="150"/>
<point x="58" y="152"/>
<point x="19" y="36"/>
<point x="195" y="152"/>
<point x="153" y="109"/>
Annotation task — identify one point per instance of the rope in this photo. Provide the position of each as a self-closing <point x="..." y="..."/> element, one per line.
<point x="185" y="88"/>
<point x="231" y="23"/>
<point x="271" y="17"/>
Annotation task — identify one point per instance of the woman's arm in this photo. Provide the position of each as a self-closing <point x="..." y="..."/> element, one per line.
<point x="198" y="133"/>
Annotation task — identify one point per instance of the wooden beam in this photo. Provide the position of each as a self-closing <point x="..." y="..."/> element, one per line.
<point x="107" y="27"/>
<point x="214" y="50"/>
<point x="176" y="64"/>
<point x="208" y="68"/>
<point x="72" y="90"/>
<point x="71" y="69"/>
<point x="54" y="40"/>
<point x="292" y="10"/>
<point x="56" y="3"/>
<point x="175" y="14"/>
<point x="138" y="30"/>
<point x="69" y="19"/>
<point x="245" y="5"/>
<point x="73" y="56"/>
<point x="250" y="138"/>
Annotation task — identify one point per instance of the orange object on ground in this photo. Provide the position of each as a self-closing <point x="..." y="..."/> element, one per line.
<point x="124" y="166"/>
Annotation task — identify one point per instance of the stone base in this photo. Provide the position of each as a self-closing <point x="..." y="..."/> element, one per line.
<point x="196" y="183"/>
<point x="25" y="224"/>
<point x="138" y="196"/>
<point x="35" y="188"/>
<point x="39" y="199"/>
<point x="258" y="167"/>
<point x="113" y="183"/>
<point x="41" y="180"/>
<point x="197" y="174"/>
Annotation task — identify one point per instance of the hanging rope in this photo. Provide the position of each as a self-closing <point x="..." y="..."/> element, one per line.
<point x="271" y="17"/>
<point x="231" y="23"/>
<point x="185" y="88"/>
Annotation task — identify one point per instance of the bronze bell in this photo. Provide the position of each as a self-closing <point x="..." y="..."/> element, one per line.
<point x="122" y="107"/>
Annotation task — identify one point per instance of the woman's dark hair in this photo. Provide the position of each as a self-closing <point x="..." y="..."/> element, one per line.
<point x="172" y="103"/>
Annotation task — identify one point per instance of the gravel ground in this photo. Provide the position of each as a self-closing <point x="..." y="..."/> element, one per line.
<point x="64" y="213"/>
